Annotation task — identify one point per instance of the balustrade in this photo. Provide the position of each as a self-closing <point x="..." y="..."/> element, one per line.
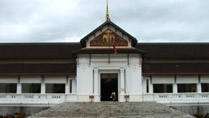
<point x="178" y="97"/>
<point x="59" y="98"/>
<point x="36" y="99"/>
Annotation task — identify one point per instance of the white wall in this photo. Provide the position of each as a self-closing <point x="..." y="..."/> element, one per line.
<point x="55" y="79"/>
<point x="8" y="79"/>
<point x="204" y="79"/>
<point x="132" y="74"/>
<point x="30" y="79"/>
<point x="163" y="79"/>
<point x="84" y="76"/>
<point x="187" y="79"/>
<point x="74" y="86"/>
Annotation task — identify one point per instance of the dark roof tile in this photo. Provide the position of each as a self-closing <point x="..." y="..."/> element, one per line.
<point x="38" y="68"/>
<point x="175" y="50"/>
<point x="35" y="51"/>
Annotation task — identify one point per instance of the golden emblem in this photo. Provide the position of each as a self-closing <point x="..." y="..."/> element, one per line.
<point x="108" y="36"/>
<point x="106" y="39"/>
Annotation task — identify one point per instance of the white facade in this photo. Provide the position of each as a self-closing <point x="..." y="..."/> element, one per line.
<point x="86" y="85"/>
<point x="130" y="84"/>
<point x="129" y="76"/>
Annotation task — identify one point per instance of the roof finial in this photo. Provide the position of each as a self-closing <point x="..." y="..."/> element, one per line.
<point x="107" y="13"/>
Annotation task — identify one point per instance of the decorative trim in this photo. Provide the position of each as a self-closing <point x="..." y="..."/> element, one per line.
<point x="105" y="39"/>
<point x="122" y="70"/>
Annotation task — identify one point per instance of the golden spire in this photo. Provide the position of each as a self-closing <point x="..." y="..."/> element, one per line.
<point x="107" y="12"/>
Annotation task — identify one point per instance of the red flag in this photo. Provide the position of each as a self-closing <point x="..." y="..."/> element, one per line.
<point x="114" y="46"/>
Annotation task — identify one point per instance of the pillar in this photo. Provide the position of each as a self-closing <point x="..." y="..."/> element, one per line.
<point x="19" y="86"/>
<point x="43" y="87"/>
<point x="96" y="81"/>
<point x="122" y="81"/>
<point x="175" y="90"/>
<point x="144" y="84"/>
<point x="67" y="86"/>
<point x="199" y="88"/>
<point x="74" y="90"/>
<point x="150" y="85"/>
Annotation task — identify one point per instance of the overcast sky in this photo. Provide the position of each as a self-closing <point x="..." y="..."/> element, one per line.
<point x="71" y="20"/>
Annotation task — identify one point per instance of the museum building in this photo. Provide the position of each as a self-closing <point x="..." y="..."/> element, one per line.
<point x="107" y="60"/>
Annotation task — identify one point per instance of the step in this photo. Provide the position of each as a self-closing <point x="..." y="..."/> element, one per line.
<point x="111" y="109"/>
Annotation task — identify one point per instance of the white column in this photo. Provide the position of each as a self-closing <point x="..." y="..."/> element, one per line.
<point x="67" y="86"/>
<point x="144" y="85"/>
<point x="43" y="87"/>
<point x="199" y="88"/>
<point x="74" y="86"/>
<point x="96" y="81"/>
<point x="122" y="81"/>
<point x="19" y="86"/>
<point x="175" y="90"/>
<point x="127" y="80"/>
<point x="150" y="85"/>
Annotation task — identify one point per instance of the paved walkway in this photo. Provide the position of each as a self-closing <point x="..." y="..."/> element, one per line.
<point x="111" y="110"/>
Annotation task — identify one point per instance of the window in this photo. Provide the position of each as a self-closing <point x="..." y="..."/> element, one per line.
<point x="8" y="88"/>
<point x="31" y="88"/>
<point x="55" y="88"/>
<point x="182" y="88"/>
<point x="162" y="88"/>
<point x="205" y="87"/>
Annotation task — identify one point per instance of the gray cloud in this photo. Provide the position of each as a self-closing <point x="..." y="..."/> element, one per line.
<point x="70" y="20"/>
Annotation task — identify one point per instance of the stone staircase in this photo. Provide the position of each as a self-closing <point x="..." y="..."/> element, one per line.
<point x="111" y="110"/>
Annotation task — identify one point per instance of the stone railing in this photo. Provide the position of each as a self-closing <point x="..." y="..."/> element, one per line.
<point x="36" y="99"/>
<point x="177" y="98"/>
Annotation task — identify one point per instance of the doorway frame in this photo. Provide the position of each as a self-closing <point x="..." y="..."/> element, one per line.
<point x="110" y="72"/>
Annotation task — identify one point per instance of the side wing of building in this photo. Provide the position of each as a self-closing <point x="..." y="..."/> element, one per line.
<point x="175" y="72"/>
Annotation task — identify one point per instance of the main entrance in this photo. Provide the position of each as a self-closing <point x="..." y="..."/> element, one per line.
<point x="109" y="84"/>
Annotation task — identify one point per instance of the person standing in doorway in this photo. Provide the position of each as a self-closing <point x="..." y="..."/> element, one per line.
<point x="113" y="96"/>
